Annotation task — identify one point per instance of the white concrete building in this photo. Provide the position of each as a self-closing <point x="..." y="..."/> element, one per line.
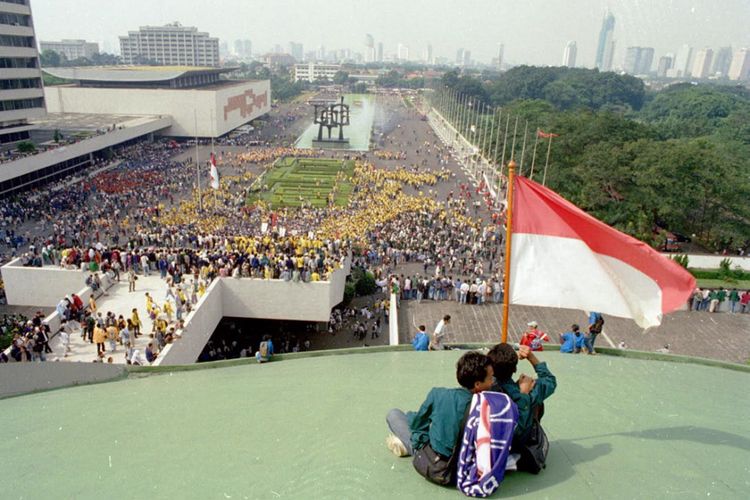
<point x="312" y="72"/>
<point x="171" y="45"/>
<point x="702" y="63"/>
<point x="21" y="92"/>
<point x="740" y="67"/>
<point x="569" y="57"/>
<point x="197" y="100"/>
<point x="71" y="49"/>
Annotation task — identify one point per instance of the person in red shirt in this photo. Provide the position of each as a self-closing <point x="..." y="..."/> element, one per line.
<point x="533" y="337"/>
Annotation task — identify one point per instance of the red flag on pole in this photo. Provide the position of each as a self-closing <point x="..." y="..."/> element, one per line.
<point x="544" y="135"/>
<point x="563" y="257"/>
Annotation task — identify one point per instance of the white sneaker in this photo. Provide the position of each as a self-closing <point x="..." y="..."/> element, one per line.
<point x="395" y="445"/>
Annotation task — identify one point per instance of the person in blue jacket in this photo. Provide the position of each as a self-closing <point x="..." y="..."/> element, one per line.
<point x="421" y="340"/>
<point x="572" y="341"/>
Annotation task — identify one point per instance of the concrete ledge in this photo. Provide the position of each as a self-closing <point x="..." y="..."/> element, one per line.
<point x="24" y="378"/>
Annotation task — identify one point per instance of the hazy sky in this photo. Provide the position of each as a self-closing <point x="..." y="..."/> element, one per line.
<point x="533" y="31"/>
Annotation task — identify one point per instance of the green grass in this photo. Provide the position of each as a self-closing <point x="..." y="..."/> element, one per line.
<point x="312" y="179"/>
<point x="711" y="283"/>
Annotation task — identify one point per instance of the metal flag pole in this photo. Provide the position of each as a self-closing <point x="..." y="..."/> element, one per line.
<point x="546" y="163"/>
<point x="513" y="146"/>
<point x="533" y="156"/>
<point x="213" y="155"/>
<point x="523" y="148"/>
<point x="505" y="142"/>
<point x="508" y="234"/>
<point x="197" y="162"/>
<point x="484" y="139"/>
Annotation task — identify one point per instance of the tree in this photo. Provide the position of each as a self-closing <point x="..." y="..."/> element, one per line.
<point x="341" y="78"/>
<point x="359" y="88"/>
<point x="50" y="59"/>
<point x="57" y="137"/>
<point x="26" y="147"/>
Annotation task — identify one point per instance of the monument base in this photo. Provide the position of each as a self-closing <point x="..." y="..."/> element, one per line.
<point x="331" y="144"/>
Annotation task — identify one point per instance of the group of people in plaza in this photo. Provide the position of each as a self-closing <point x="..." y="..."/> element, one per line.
<point x="715" y="299"/>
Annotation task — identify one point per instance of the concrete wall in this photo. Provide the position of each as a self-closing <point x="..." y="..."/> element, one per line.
<point x="713" y="261"/>
<point x="20" y="378"/>
<point x="186" y="107"/>
<point x="40" y="286"/>
<point x="393" y="321"/>
<point x="199" y="327"/>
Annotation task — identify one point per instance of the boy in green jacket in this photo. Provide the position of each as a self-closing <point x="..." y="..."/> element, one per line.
<point x="438" y="420"/>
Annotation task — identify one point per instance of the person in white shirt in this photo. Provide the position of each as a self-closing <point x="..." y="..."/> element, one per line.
<point x="436" y="343"/>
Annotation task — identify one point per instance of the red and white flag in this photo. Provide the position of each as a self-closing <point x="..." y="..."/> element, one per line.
<point x="544" y="135"/>
<point x="214" y="173"/>
<point x="563" y="257"/>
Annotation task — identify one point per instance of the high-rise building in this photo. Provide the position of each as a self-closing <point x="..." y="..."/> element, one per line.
<point x="740" y="67"/>
<point x="22" y="95"/>
<point x="500" y="55"/>
<point x="702" y="64"/>
<point x="370" y="53"/>
<point x="297" y="51"/>
<point x="402" y="53"/>
<point x="665" y="64"/>
<point x="243" y="49"/>
<point x="722" y="61"/>
<point x="428" y="57"/>
<point x="682" y="63"/>
<point x="460" y="56"/>
<point x="606" y="46"/>
<point x="638" y="60"/>
<point x="380" y="52"/>
<point x="71" y="49"/>
<point x="170" y="45"/>
<point x="569" y="57"/>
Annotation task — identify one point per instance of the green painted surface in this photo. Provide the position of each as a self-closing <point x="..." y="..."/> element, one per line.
<point x="294" y="181"/>
<point x="362" y="114"/>
<point x="314" y="428"/>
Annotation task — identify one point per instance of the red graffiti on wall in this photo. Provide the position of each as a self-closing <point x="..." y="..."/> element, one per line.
<point x="246" y="102"/>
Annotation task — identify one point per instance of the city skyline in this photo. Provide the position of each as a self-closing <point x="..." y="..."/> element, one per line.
<point x="443" y="24"/>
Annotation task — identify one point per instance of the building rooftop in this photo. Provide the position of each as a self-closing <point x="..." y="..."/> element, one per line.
<point x="132" y="74"/>
<point x="314" y="427"/>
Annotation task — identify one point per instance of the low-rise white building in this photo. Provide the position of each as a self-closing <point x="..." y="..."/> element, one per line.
<point x="313" y="72"/>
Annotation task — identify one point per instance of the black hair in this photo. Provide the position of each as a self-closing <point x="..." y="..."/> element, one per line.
<point x="504" y="360"/>
<point x="575" y="327"/>
<point x="472" y="367"/>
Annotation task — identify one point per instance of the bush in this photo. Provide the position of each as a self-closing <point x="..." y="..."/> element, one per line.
<point x="349" y="293"/>
<point x="26" y="147"/>
<point x="682" y="260"/>
<point x="365" y="285"/>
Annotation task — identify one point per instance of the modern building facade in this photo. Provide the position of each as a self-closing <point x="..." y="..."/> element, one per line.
<point x="606" y="45"/>
<point x="313" y="72"/>
<point x="21" y="91"/>
<point x="722" y="62"/>
<point x="170" y="45"/>
<point x="569" y="56"/>
<point x="638" y="60"/>
<point x="199" y="103"/>
<point x="740" y="67"/>
<point x="297" y="50"/>
<point x="72" y="49"/>
<point x="682" y="66"/>
<point x="702" y="64"/>
<point x="665" y="64"/>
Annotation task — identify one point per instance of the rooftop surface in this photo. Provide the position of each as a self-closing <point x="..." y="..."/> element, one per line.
<point x="314" y="427"/>
<point x="82" y="121"/>
<point x="131" y="73"/>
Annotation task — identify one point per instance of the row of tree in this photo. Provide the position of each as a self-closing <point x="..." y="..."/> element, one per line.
<point x="677" y="159"/>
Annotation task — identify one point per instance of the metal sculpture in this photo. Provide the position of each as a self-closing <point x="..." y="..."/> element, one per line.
<point x="331" y="115"/>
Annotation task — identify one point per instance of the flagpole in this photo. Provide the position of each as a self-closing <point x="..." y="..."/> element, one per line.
<point x="523" y="148"/>
<point x="197" y="162"/>
<point x="213" y="155"/>
<point x="533" y="156"/>
<point x="508" y="234"/>
<point x="549" y="148"/>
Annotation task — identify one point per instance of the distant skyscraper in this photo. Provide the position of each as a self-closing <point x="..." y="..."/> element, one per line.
<point x="297" y="51"/>
<point x="665" y="64"/>
<point x="682" y="63"/>
<point x="460" y="57"/>
<point x="402" y="54"/>
<point x="500" y="55"/>
<point x="740" y="67"/>
<point x="380" y="52"/>
<point x="638" y="60"/>
<point x="467" y="57"/>
<point x="702" y="64"/>
<point x="722" y="62"/>
<point x="428" y="57"/>
<point x="605" y="46"/>
<point x="569" y="57"/>
<point x="243" y="49"/>
<point x="369" y="48"/>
